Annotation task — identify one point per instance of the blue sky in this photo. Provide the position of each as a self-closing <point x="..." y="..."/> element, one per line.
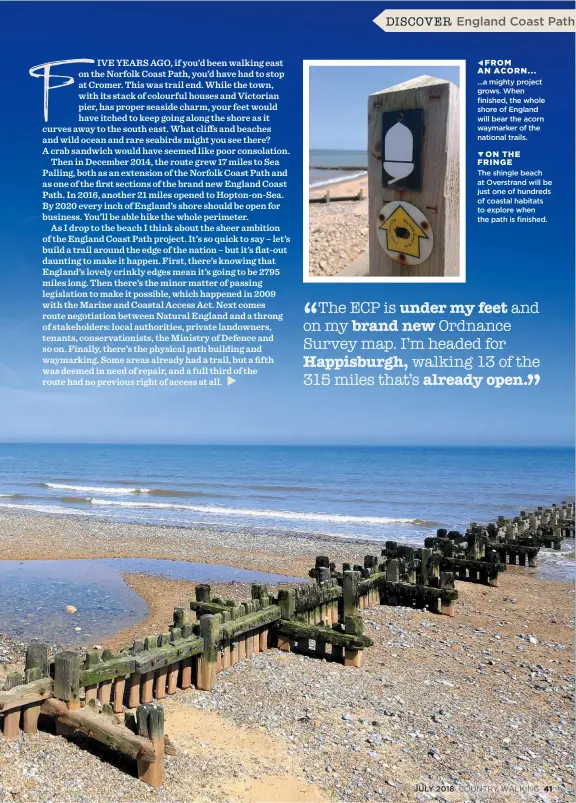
<point x="339" y="99"/>
<point x="504" y="263"/>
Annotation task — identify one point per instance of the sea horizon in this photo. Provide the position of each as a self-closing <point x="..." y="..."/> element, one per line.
<point x="288" y="445"/>
<point x="335" y="165"/>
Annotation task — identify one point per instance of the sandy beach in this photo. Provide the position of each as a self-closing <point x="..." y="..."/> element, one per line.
<point x="39" y="537"/>
<point x="338" y="231"/>
<point x="345" y="187"/>
<point x="483" y="698"/>
<point x="480" y="668"/>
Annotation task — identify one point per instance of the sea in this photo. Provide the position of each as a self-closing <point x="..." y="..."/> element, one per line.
<point x="375" y="494"/>
<point x="335" y="161"/>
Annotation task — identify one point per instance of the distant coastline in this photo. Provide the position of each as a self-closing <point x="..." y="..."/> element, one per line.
<point x="331" y="166"/>
<point x="338" y="180"/>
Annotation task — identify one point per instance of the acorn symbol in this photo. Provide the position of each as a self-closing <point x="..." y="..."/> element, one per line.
<point x="398" y="152"/>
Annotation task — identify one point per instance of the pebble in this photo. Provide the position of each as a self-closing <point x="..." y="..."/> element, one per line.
<point x="337" y="237"/>
<point x="345" y="727"/>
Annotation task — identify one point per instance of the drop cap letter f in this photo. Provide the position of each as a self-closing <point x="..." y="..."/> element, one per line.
<point x="43" y="71"/>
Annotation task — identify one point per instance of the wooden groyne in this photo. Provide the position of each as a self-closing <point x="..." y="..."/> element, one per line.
<point x="59" y="689"/>
<point x="329" y="198"/>
<point x="395" y="579"/>
<point x="112" y="698"/>
<point x="482" y="552"/>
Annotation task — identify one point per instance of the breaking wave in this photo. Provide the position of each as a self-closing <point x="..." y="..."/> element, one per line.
<point x="261" y="513"/>
<point x="57" y="486"/>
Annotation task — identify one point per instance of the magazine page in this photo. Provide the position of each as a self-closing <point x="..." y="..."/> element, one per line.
<point x="287" y="401"/>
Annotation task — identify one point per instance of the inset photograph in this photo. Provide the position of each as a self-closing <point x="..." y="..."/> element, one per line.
<point x="384" y="171"/>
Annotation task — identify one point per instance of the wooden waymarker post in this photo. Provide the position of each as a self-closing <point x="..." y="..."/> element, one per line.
<point x="414" y="179"/>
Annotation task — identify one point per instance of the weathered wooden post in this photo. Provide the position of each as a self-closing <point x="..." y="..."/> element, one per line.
<point x="67" y="678"/>
<point x="263" y="639"/>
<point x="426" y="554"/>
<point x="258" y="590"/>
<point x="493" y="557"/>
<point x="234" y="614"/>
<point x="392" y="576"/>
<point x="67" y="685"/>
<point x="209" y="631"/>
<point x="118" y="689"/>
<point x="225" y="643"/>
<point x="241" y="638"/>
<point x="557" y="538"/>
<point x="161" y="675"/>
<point x="37" y="659"/>
<point x="147" y="689"/>
<point x="36" y="667"/>
<point x="104" y="691"/>
<point x="150" y="720"/>
<point x="354" y="626"/>
<point x="135" y="678"/>
<point x="350" y="596"/>
<point x="183" y="623"/>
<point x="11" y="723"/>
<point x="250" y="608"/>
<point x="323" y="575"/>
<point x="202" y="593"/>
<point x="322" y="562"/>
<point x="287" y="603"/>
<point x="414" y="179"/>
<point x="447" y="605"/>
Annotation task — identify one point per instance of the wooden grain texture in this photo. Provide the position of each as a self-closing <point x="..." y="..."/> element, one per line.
<point x="119" y="686"/>
<point x="440" y="195"/>
<point x="67" y="676"/>
<point x="150" y="719"/>
<point x="11" y="725"/>
<point x="99" y="726"/>
<point x="30" y="716"/>
<point x="210" y="631"/>
<point x="299" y="630"/>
